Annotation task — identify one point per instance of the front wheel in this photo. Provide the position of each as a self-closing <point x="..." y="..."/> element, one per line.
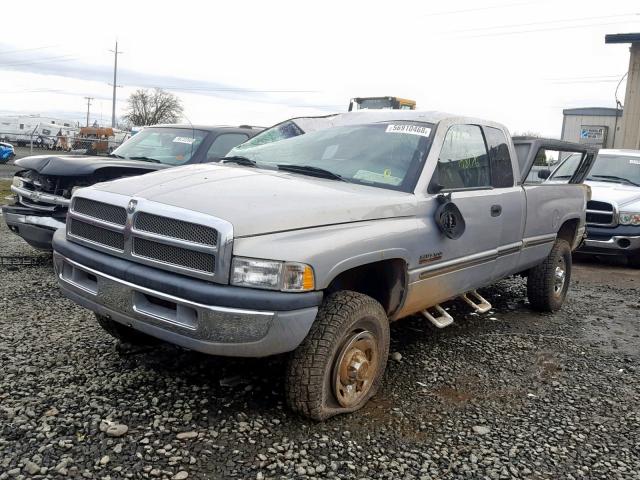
<point x="548" y="283"/>
<point x="340" y="364"/>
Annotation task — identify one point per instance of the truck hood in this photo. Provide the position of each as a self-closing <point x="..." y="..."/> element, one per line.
<point x="257" y="201"/>
<point x="81" y="165"/>
<point x="626" y="196"/>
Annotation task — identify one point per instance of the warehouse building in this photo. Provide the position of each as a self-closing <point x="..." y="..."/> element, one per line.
<point x="597" y="126"/>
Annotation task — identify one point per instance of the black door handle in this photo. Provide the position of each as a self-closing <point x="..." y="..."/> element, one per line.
<point x="496" y="210"/>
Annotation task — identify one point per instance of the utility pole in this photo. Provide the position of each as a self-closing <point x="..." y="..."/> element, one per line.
<point x="88" y="99"/>
<point x="115" y="84"/>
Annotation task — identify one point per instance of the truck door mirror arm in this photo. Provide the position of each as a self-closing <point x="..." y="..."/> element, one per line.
<point x="449" y="218"/>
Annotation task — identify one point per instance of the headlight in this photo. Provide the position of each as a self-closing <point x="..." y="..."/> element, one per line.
<point x="17" y="182"/>
<point x="272" y="275"/>
<point x="629" y="218"/>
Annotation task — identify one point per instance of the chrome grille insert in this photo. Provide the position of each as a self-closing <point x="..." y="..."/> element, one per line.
<point x="182" y="257"/>
<point x="155" y="234"/>
<point x="170" y="227"/>
<point x="95" y="234"/>
<point x="102" y="211"/>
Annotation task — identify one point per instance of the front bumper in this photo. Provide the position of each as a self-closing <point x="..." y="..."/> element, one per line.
<point x="231" y="321"/>
<point x="620" y="240"/>
<point x="34" y="227"/>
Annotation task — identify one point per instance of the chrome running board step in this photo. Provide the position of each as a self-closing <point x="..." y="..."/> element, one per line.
<point x="442" y="320"/>
<point x="477" y="302"/>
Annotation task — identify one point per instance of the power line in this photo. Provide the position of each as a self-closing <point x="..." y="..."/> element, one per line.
<point x="478" y="9"/>
<point x="564" y="27"/>
<point x="10" y="52"/>
<point x="213" y="89"/>
<point x="60" y="58"/>
<point x="547" y="22"/>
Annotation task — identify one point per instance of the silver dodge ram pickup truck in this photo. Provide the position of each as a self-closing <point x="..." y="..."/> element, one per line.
<point x="314" y="244"/>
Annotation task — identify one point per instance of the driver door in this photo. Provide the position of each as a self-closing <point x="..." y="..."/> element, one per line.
<point x="449" y="267"/>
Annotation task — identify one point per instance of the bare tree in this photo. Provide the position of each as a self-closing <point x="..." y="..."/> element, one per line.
<point x="148" y="107"/>
<point x="527" y="133"/>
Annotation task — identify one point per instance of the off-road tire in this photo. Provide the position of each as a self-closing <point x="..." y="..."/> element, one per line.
<point x="310" y="377"/>
<point x="123" y="333"/>
<point x="541" y="282"/>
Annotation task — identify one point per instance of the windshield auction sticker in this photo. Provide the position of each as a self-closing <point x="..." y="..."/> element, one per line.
<point x="410" y="129"/>
<point x="187" y="140"/>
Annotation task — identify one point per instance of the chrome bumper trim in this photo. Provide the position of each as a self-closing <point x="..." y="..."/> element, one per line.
<point x="41" y="196"/>
<point x="19" y="219"/>
<point x="612" y="243"/>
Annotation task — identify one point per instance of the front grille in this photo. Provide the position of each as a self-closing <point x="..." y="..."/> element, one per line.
<point x="94" y="234"/>
<point x="101" y="211"/>
<point x="596" y="205"/>
<point x="170" y="227"/>
<point x="170" y="238"/>
<point x="181" y="257"/>
<point x="600" y="213"/>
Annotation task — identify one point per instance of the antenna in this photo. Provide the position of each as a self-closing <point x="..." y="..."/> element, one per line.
<point x="193" y="134"/>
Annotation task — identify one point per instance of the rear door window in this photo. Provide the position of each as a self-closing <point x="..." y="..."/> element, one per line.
<point x="223" y="143"/>
<point x="501" y="166"/>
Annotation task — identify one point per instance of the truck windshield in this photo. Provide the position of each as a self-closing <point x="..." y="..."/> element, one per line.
<point x="386" y="155"/>
<point x="623" y="169"/>
<point x="171" y="146"/>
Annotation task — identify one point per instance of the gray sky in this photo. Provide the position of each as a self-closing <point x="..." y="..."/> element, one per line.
<point x="518" y="62"/>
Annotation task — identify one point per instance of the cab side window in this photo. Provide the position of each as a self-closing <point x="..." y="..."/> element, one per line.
<point x="544" y="163"/>
<point x="501" y="166"/>
<point x="223" y="143"/>
<point x="464" y="160"/>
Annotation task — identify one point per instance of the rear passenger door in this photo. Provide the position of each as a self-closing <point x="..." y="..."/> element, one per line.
<point x="511" y="201"/>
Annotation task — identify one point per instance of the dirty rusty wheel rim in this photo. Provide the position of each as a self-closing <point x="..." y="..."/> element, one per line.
<point x="559" y="276"/>
<point x="355" y="368"/>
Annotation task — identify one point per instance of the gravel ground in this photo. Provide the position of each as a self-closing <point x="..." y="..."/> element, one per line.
<point x="509" y="394"/>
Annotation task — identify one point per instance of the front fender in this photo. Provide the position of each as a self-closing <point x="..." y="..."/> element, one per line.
<point x="331" y="250"/>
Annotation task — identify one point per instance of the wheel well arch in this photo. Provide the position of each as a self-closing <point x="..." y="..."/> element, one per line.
<point x="569" y="229"/>
<point x="384" y="280"/>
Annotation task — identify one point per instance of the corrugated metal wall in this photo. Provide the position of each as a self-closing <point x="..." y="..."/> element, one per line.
<point x="573" y="125"/>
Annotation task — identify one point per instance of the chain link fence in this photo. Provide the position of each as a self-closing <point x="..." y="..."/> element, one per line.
<point x="90" y="141"/>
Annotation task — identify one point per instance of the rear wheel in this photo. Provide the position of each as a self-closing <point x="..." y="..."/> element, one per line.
<point x="548" y="283"/>
<point x="340" y="364"/>
<point x="123" y="333"/>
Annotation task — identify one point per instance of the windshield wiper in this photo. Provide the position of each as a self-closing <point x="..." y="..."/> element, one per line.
<point x="310" y="170"/>
<point x="240" y="160"/>
<point x="616" y="179"/>
<point x="145" y="159"/>
<point x="116" y="155"/>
